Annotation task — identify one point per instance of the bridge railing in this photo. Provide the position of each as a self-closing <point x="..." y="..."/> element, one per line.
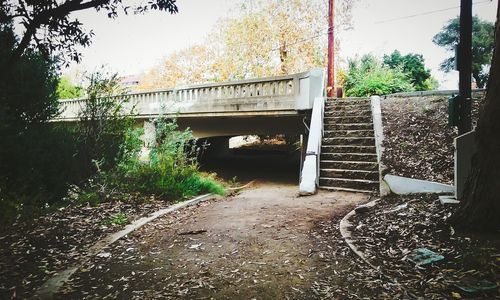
<point x="290" y="92"/>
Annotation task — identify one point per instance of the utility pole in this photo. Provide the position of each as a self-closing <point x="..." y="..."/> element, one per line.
<point x="465" y="67"/>
<point x="330" y="86"/>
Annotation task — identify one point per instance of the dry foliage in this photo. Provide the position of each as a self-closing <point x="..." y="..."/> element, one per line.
<point x="263" y="38"/>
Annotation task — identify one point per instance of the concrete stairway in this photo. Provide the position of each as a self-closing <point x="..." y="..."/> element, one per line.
<point x="348" y="154"/>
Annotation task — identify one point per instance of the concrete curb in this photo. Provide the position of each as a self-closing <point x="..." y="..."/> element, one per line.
<point x="52" y="285"/>
<point x="400" y="185"/>
<point x="345" y="232"/>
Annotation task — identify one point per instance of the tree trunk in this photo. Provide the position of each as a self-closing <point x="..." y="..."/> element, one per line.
<point x="480" y="207"/>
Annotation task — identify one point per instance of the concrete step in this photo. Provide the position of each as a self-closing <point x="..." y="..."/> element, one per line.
<point x="349" y="119"/>
<point x="364" y="141"/>
<point x="351" y="101"/>
<point x="339" y="189"/>
<point x="347" y="113"/>
<point x="349" y="165"/>
<point x="349" y="126"/>
<point x="347" y="149"/>
<point x="361" y="184"/>
<point x="372" y="157"/>
<point x="348" y="107"/>
<point x="353" y="174"/>
<point x="349" y="133"/>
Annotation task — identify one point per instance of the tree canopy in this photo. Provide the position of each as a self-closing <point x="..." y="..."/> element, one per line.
<point x="67" y="90"/>
<point x="49" y="26"/>
<point x="482" y="46"/>
<point x="266" y="38"/>
<point x="413" y="65"/>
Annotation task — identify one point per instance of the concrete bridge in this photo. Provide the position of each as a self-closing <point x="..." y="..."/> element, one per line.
<point x="274" y="105"/>
<point x="342" y="151"/>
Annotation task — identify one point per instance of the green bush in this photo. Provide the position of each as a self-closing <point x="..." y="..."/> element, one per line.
<point x="170" y="174"/>
<point x="369" y="76"/>
<point x="40" y="160"/>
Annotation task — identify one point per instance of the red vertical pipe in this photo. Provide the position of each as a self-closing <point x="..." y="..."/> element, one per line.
<point x="331" y="65"/>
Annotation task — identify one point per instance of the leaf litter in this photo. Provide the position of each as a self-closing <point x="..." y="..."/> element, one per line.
<point x="388" y="239"/>
<point x="418" y="143"/>
<point x="32" y="251"/>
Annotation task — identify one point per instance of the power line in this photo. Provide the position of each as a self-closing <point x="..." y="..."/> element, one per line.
<point x="321" y="33"/>
<point x="300" y="41"/>
<point x="426" y="13"/>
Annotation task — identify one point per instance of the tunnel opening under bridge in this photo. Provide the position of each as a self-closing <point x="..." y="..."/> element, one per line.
<point x="269" y="158"/>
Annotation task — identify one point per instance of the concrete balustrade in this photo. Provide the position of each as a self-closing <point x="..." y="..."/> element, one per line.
<point x="281" y="94"/>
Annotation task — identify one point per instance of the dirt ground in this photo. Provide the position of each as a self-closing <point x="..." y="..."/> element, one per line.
<point x="254" y="245"/>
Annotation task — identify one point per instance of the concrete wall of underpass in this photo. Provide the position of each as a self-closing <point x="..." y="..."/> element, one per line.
<point x="256" y="125"/>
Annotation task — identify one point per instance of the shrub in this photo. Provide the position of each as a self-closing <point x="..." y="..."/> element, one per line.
<point x="171" y="173"/>
<point x="103" y="125"/>
<point x="368" y="76"/>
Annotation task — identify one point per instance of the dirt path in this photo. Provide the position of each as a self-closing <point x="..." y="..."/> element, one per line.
<point x="256" y="246"/>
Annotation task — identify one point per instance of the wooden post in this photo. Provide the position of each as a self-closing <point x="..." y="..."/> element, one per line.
<point x="465" y="67"/>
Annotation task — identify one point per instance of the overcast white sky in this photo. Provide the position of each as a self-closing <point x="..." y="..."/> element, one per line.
<point x="132" y="44"/>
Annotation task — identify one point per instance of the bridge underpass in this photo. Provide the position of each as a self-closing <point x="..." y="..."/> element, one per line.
<point x="279" y="163"/>
<point x="274" y="161"/>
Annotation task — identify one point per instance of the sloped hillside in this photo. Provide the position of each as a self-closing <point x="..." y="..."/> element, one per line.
<point x="417" y="139"/>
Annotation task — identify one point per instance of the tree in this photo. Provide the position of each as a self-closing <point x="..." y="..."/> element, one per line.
<point x="50" y="28"/>
<point x="369" y="76"/>
<point x="28" y="94"/>
<point x="35" y="154"/>
<point x="265" y="38"/>
<point x="189" y="66"/>
<point x="480" y="206"/>
<point x="413" y="65"/>
<point x="482" y="46"/>
<point x="67" y="90"/>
